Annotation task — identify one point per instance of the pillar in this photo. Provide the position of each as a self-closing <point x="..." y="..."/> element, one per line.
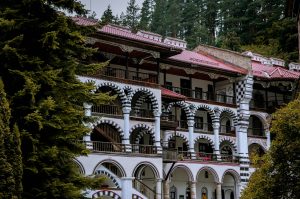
<point x="166" y="189"/>
<point x="125" y="141"/>
<point x="193" y="190"/>
<point x="158" y="188"/>
<point x="219" y="191"/>
<point x="126" y="187"/>
<point x="191" y="123"/>
<point x="157" y="131"/>
<point x="88" y="112"/>
<point x="87" y="109"/>
<point x="216" y="129"/>
<point x="268" y="138"/>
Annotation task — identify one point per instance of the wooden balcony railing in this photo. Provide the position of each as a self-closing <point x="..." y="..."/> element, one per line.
<point x="144" y="113"/>
<point x="208" y="96"/>
<point x="130" y="75"/>
<point x="203" y="127"/>
<point x="268" y="106"/>
<point x="107" y="109"/>
<point x="97" y="146"/>
<point x="227" y="129"/>
<point x="256" y="132"/>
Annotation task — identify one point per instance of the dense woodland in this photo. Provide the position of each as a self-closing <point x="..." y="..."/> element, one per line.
<point x="268" y="27"/>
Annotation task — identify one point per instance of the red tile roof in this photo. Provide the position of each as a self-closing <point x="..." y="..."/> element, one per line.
<point x="273" y="72"/>
<point x="125" y="33"/>
<point x="204" y="60"/>
<point x="82" y="21"/>
<point x="171" y="94"/>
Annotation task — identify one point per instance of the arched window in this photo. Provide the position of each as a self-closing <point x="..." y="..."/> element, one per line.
<point x="204" y="193"/>
<point x="173" y="192"/>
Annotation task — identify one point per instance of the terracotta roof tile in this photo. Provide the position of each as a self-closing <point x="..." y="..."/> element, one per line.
<point x="171" y="94"/>
<point x="203" y="60"/>
<point x="82" y="21"/>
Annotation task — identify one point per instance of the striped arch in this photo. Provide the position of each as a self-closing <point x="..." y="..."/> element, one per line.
<point x="152" y="166"/>
<point x="208" y="109"/>
<point x="179" y="135"/>
<point x="117" y="89"/>
<point x="185" y="106"/>
<point x="187" y="170"/>
<point x="149" y="94"/>
<point x="128" y="90"/>
<point x="231" y="114"/>
<point x="109" y="193"/>
<point x="101" y="172"/>
<point x="256" y="142"/>
<point x="115" y="163"/>
<point x="112" y="123"/>
<point x="234" y="173"/>
<point x="134" y="196"/>
<point x="230" y="141"/>
<point x="79" y="166"/>
<point x="148" y="130"/>
<point x="213" y="172"/>
<point x="205" y="137"/>
<point x="262" y="118"/>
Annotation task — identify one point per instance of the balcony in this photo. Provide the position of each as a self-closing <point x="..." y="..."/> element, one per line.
<point x="141" y="113"/>
<point x="107" y="109"/>
<point x="129" y="75"/>
<point x="256" y="132"/>
<point x="268" y="106"/>
<point x="203" y="127"/>
<point x="227" y="130"/>
<point x="168" y="121"/>
<point x="110" y="147"/>
<point x="206" y="96"/>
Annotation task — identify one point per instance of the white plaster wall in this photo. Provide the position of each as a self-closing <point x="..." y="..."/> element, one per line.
<point x="129" y="163"/>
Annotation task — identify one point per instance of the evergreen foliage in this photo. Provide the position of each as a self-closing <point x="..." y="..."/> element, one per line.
<point x="41" y="52"/>
<point x="7" y="182"/>
<point x="107" y="16"/>
<point x="146" y="14"/>
<point x="279" y="175"/>
<point x="132" y="16"/>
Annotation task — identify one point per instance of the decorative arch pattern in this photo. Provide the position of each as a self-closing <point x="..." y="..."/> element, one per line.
<point x="120" y="92"/>
<point x="231" y="114"/>
<point x="152" y="166"/>
<point x="208" y="109"/>
<point x="101" y="172"/>
<point x="115" y="163"/>
<point x="179" y="135"/>
<point x="186" y="169"/>
<point x="106" y="193"/>
<point x="234" y="173"/>
<point x="214" y="173"/>
<point x="148" y="130"/>
<point x="149" y="94"/>
<point x="230" y="141"/>
<point x="205" y="137"/>
<point x="185" y="106"/>
<point x="260" y="144"/>
<point x="262" y="118"/>
<point x="112" y="123"/>
<point x="80" y="166"/>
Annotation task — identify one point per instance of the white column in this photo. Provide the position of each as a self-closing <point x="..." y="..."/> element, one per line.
<point x="126" y="187"/>
<point x="126" y="114"/>
<point x="191" y="123"/>
<point x="216" y="129"/>
<point x="158" y="188"/>
<point x="87" y="109"/>
<point x="219" y="191"/>
<point x="166" y="189"/>
<point x="193" y="190"/>
<point x="268" y="138"/>
<point x="157" y="131"/>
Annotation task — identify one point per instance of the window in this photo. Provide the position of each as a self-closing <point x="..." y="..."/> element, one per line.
<point x="204" y="193"/>
<point x="198" y="93"/>
<point x="198" y="122"/>
<point x="173" y="192"/>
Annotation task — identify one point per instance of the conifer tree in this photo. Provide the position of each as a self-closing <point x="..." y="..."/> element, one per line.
<point x="107" y="16"/>
<point x="132" y="16"/>
<point x="146" y="14"/>
<point x="158" y="22"/>
<point x="41" y="52"/>
<point x="7" y="182"/>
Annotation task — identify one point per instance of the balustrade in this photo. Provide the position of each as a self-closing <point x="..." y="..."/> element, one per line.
<point x="107" y="109"/>
<point x="130" y="75"/>
<point x="144" y="113"/>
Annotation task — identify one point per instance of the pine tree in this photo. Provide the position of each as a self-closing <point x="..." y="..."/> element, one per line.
<point x="7" y="182"/>
<point x="107" y="16"/>
<point x="41" y="52"/>
<point x="173" y="17"/>
<point x="146" y="14"/>
<point x="158" y="21"/>
<point x="132" y="16"/>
